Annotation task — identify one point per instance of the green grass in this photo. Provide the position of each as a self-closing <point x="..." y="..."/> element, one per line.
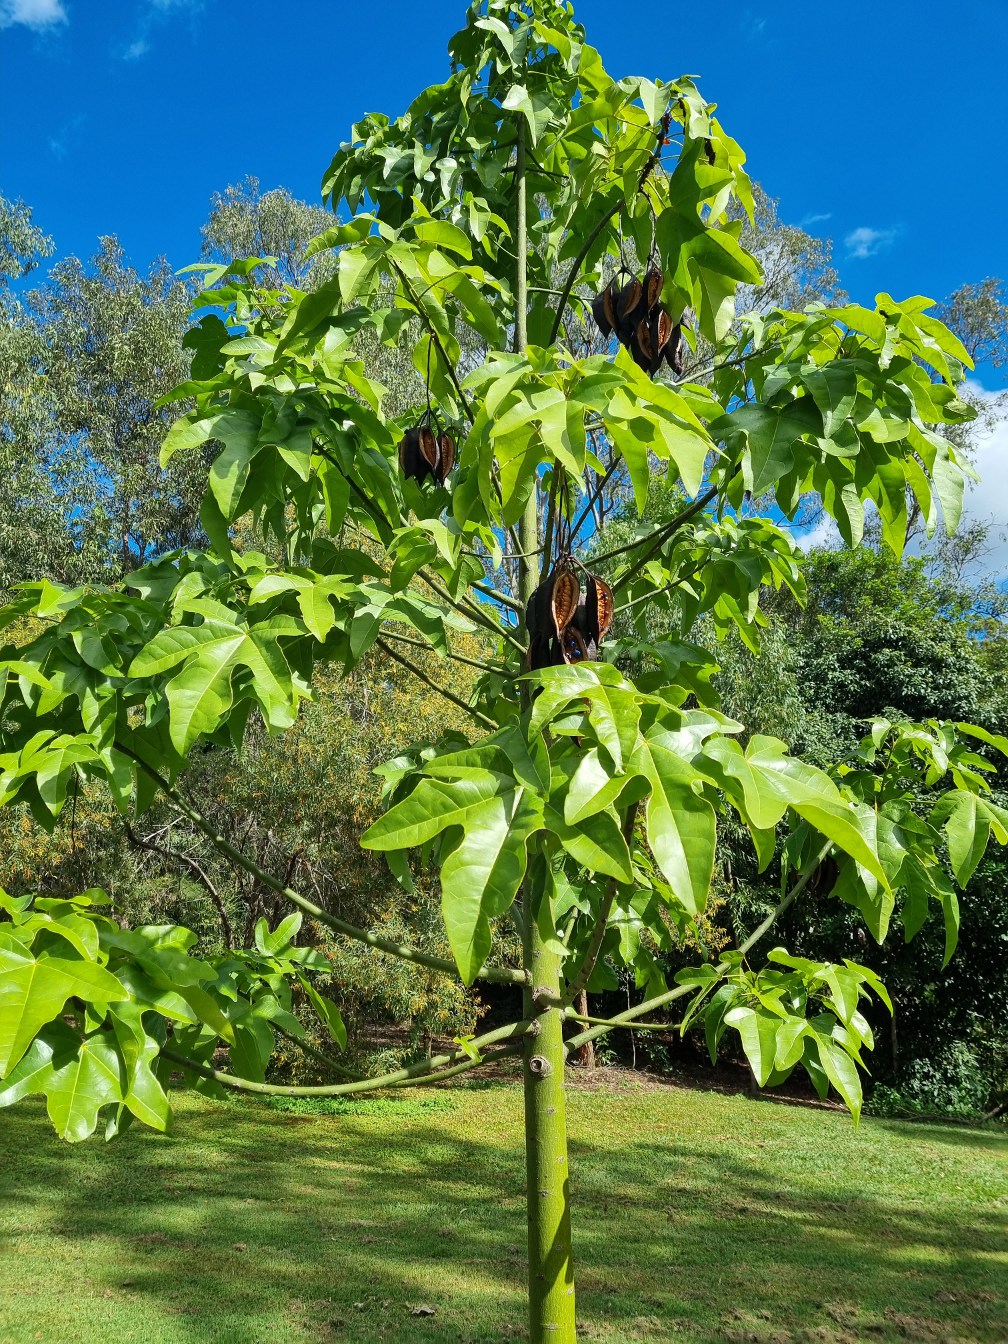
<point x="697" y="1217"/>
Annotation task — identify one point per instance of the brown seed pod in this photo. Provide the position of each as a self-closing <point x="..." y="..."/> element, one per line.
<point x="629" y="298"/>
<point x="575" y="650"/>
<point x="662" y="330"/>
<point x="603" y="312"/>
<point x="429" y="447"/>
<point x="673" y="351"/>
<point x="609" y="307"/>
<point x="410" y="459"/>
<point x="565" y="596"/>
<point x="644" y="345"/>
<point x="538" y="613"/>
<point x="446" y="455"/>
<point x="653" y="282"/>
<point x="599" y="607"/>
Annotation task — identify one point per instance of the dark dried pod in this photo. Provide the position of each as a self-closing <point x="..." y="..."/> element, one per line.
<point x="661" y="331"/>
<point x="673" y="351"/>
<point x="603" y="311"/>
<point x="429" y="447"/>
<point x="410" y="458"/>
<point x="653" y="282"/>
<point x="575" y="649"/>
<point x="645" y="345"/>
<point x="629" y="298"/>
<point x="565" y="597"/>
<point x="609" y="306"/>
<point x="539" y="613"/>
<point x="599" y="607"/>
<point x="709" y="151"/>
<point x="446" y="456"/>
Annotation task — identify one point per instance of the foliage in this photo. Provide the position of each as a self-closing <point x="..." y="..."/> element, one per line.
<point x="952" y="1083"/>
<point x="245" y="221"/>
<point x="89" y="352"/>
<point x="583" y="800"/>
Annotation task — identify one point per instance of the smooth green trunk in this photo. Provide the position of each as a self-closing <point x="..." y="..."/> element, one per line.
<point x="551" y="1267"/>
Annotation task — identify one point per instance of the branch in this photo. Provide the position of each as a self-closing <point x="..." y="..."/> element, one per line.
<point x="660" y="1000"/>
<point x="441" y="690"/>
<point x="572" y="1016"/>
<point x="658" y="538"/>
<point x="591" y="956"/>
<point x="315" y="1052"/>
<point x="428" y="1070"/>
<point x="436" y="339"/>
<point x="215" y="896"/>
<point x="502" y="975"/>
<point x="498" y="596"/>
<point x="470" y="609"/>
<point x="455" y="657"/>
<point x="596" y="493"/>
<point x="589" y="242"/>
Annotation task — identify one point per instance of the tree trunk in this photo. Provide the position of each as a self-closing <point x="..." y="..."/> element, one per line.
<point x="586" y="1053"/>
<point x="551" y="1267"/>
<point x="551" y="1270"/>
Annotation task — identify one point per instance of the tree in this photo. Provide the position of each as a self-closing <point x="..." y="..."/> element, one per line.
<point x="84" y="358"/>
<point x="584" y="801"/>
<point x="34" y="537"/>
<point x="245" y="221"/>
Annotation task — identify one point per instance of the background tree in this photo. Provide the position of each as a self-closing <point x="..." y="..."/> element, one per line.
<point x="584" y="800"/>
<point x="246" y="221"/>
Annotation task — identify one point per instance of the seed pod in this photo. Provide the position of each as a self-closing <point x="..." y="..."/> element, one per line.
<point x="538" y="613"/>
<point x="662" y="330"/>
<point x="599" y="607"/>
<point x="575" y="650"/>
<point x="653" y="282"/>
<point x="609" y="306"/>
<point x="603" y="311"/>
<point x="429" y="447"/>
<point x="565" y="596"/>
<point x="446" y="455"/>
<point x="629" y="297"/>
<point x="410" y="459"/>
<point x="673" y="351"/>
<point x="644" y="353"/>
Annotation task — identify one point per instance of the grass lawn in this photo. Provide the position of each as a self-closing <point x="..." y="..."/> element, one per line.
<point x="698" y="1217"/>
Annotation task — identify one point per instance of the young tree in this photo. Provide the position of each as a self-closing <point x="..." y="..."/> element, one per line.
<point x="585" y="803"/>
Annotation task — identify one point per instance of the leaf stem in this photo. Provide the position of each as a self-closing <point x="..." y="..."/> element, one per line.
<point x="591" y="956"/>
<point x="428" y="1070"/>
<point x="660" y="1000"/>
<point x="497" y="974"/>
<point x="483" y="666"/>
<point x="441" y="690"/>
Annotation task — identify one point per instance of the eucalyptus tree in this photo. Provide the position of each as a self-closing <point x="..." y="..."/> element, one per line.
<point x="245" y="221"/>
<point x="583" y="804"/>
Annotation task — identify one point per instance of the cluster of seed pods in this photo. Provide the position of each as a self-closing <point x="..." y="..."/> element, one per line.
<point x="634" y="312"/>
<point x="423" y="453"/>
<point x="564" y="623"/>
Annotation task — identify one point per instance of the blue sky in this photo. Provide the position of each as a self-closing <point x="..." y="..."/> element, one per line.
<point x="881" y="125"/>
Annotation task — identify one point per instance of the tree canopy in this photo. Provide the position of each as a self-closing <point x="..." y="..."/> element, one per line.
<point x="583" y="801"/>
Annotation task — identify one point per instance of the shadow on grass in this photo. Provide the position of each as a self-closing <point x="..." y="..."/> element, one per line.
<point x="258" y="1224"/>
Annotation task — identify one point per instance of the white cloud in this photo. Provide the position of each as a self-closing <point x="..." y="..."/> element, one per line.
<point x="823" y="533"/>
<point x="865" y="242"/>
<point x="136" y="49"/>
<point x="809" y="220"/>
<point x="987" y="499"/>
<point x="32" y="13"/>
